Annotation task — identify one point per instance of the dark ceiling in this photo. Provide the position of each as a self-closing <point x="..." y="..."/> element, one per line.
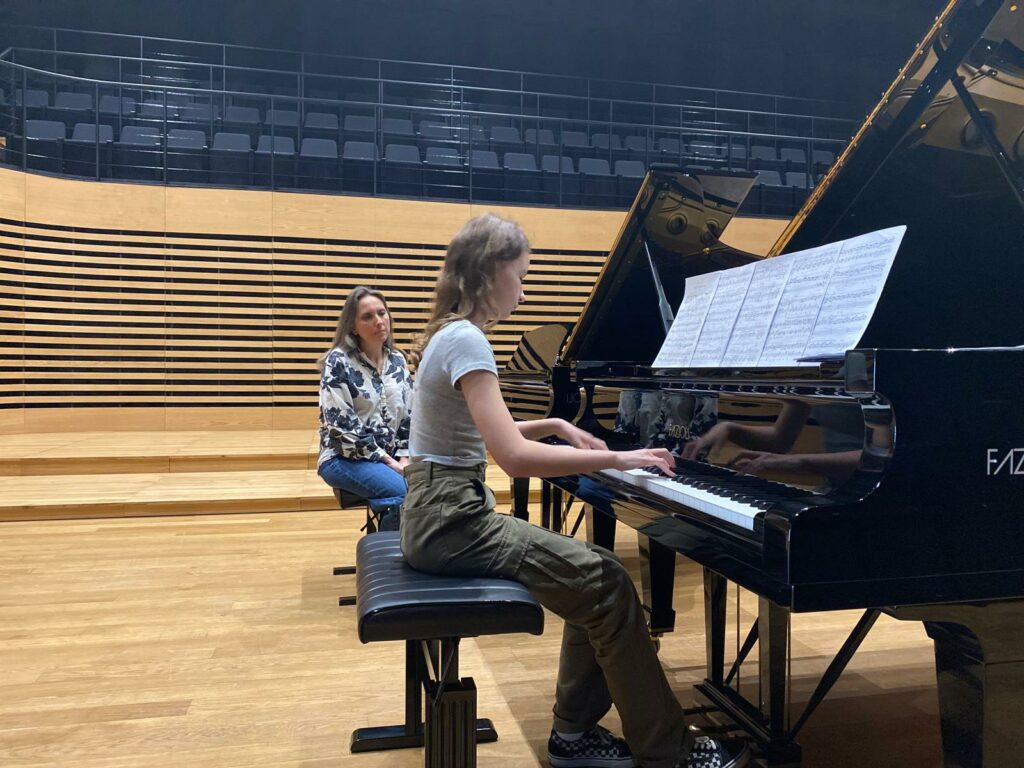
<point x="823" y="48"/>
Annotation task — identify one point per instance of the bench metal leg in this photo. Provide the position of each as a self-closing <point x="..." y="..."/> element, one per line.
<point x="433" y="666"/>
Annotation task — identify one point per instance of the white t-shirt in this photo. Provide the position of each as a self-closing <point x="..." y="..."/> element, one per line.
<point x="442" y="430"/>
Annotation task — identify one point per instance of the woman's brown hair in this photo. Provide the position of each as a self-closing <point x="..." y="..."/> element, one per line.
<point x="347" y="322"/>
<point x="470" y="263"/>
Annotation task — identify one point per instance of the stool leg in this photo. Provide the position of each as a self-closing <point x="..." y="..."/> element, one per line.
<point x="412" y="732"/>
<point x="409" y="733"/>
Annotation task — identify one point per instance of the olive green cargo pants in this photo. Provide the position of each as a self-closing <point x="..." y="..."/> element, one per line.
<point x="449" y="527"/>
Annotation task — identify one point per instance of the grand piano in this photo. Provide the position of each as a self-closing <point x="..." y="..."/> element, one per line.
<point x="889" y="478"/>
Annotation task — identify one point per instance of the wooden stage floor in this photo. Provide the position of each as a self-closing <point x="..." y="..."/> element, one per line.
<point x="215" y="641"/>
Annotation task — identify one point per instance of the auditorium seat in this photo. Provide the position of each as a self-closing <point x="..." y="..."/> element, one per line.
<point x="822" y="159"/>
<point x="764" y="157"/>
<point x="231" y="159"/>
<point x="44" y="144"/>
<point x="34" y="101"/>
<point x="318" y="164"/>
<point x="114" y="111"/>
<point x="705" y="152"/>
<point x="199" y="114"/>
<point x="444" y="174"/>
<point x="152" y="113"/>
<point x="630" y="175"/>
<point x="540" y="137"/>
<point x="576" y="144"/>
<point x="773" y="197"/>
<point x="320" y="125"/>
<point x="486" y="180"/>
<point x="608" y="146"/>
<point x="598" y="186"/>
<point x="83" y="151"/>
<point x="186" y="156"/>
<point x="561" y="184"/>
<point x="359" y="128"/>
<point x="640" y="148"/>
<point x="273" y="162"/>
<point x="670" y="150"/>
<point x="281" y="122"/>
<point x="523" y="180"/>
<point x="738" y="156"/>
<point x="797" y="179"/>
<point x="431" y="133"/>
<point x="138" y="154"/>
<point x="70" y="107"/>
<point x="793" y="156"/>
<point x="242" y="120"/>
<point x="397" y="129"/>
<point x="505" y="138"/>
<point x="402" y="171"/>
<point x="358" y="160"/>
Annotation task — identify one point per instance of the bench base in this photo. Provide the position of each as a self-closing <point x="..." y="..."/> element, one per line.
<point x="380" y="737"/>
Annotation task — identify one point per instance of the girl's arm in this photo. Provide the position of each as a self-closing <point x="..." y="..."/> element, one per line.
<point x="576" y="437"/>
<point x="520" y="457"/>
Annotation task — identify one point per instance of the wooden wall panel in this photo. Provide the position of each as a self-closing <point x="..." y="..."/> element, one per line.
<point x="149" y="307"/>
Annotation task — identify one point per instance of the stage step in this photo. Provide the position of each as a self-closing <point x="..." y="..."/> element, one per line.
<point x="179" y="493"/>
<point x="86" y="453"/>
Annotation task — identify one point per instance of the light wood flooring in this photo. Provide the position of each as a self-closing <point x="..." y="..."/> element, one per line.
<point x="216" y="641"/>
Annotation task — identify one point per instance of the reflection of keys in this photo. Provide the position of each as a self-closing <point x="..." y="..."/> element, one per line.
<point x="716" y="491"/>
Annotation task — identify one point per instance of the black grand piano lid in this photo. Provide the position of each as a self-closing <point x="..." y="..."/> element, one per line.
<point x="942" y="153"/>
<point x="678" y="218"/>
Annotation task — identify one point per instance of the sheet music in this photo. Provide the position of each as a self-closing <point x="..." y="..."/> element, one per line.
<point x="721" y="317"/>
<point x="755" y="318"/>
<point x="682" y="336"/>
<point x="814" y="303"/>
<point x="853" y="291"/>
<point x="798" y="306"/>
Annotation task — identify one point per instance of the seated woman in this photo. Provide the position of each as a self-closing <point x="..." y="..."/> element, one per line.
<point x="449" y="525"/>
<point x="365" y="394"/>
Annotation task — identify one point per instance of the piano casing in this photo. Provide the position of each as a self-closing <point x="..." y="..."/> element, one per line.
<point x="891" y="478"/>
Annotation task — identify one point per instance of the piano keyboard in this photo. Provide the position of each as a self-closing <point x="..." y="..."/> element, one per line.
<point x="722" y="493"/>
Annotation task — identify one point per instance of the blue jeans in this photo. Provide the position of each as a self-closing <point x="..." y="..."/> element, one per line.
<point x="380" y="485"/>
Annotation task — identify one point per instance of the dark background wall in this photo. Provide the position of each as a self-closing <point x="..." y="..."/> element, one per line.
<point x="842" y="49"/>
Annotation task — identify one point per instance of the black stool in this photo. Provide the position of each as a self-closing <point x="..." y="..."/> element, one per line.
<point x="349" y="500"/>
<point x="431" y="614"/>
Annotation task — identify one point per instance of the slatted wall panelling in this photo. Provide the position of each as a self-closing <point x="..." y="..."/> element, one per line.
<point x="100" y="316"/>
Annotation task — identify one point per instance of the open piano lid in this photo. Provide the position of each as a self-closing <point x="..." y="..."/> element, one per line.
<point x="943" y="153"/>
<point x="674" y="223"/>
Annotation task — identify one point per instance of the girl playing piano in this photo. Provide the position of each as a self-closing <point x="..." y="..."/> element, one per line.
<point x="449" y="525"/>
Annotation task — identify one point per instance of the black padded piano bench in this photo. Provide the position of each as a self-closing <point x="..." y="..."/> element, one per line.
<point x="431" y="614"/>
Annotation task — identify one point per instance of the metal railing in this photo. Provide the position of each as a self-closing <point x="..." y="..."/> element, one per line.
<point x="170" y="155"/>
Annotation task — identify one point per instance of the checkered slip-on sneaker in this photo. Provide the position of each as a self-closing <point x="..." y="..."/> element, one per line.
<point x="711" y="753"/>
<point x="596" y="748"/>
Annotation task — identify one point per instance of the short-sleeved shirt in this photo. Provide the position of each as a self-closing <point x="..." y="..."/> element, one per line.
<point x="364" y="414"/>
<point x="442" y="429"/>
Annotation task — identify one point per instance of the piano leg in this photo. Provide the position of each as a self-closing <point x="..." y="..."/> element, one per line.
<point x="765" y="722"/>
<point x="714" y="626"/>
<point x="773" y="652"/>
<point x="979" y="662"/>
<point x="600" y="528"/>
<point x="545" y="504"/>
<point x="521" y="497"/>
<point x="657" y="580"/>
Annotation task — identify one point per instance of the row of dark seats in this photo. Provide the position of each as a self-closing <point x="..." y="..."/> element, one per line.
<point x="70" y="107"/>
<point x="142" y="152"/>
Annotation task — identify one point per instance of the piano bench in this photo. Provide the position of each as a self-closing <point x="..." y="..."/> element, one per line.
<point x="432" y="614"/>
